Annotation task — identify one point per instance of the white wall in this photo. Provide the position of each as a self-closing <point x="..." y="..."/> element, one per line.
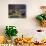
<point x="25" y="26"/>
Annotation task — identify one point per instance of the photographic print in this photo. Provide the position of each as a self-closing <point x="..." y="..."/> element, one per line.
<point x="17" y="11"/>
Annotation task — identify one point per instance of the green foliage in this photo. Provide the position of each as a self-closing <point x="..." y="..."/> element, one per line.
<point x="41" y="17"/>
<point x="45" y="17"/>
<point x="11" y="31"/>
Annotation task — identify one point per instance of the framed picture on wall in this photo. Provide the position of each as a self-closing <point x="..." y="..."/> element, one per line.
<point x="17" y="10"/>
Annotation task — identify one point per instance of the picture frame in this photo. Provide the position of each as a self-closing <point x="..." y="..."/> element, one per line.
<point x="17" y="10"/>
